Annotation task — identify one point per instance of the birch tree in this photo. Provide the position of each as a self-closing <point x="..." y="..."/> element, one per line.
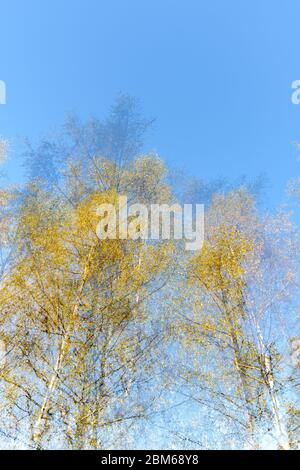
<point x="240" y="286"/>
<point x="84" y="342"/>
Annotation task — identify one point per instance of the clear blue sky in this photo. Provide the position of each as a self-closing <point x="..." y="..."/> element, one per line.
<point x="217" y="75"/>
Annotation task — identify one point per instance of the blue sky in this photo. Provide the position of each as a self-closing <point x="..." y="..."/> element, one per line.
<point x="217" y="75"/>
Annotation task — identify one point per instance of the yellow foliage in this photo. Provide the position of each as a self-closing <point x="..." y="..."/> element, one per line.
<point x="219" y="265"/>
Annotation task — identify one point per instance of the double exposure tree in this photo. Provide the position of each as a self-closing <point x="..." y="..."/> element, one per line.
<point x="235" y="330"/>
<point x="76" y="309"/>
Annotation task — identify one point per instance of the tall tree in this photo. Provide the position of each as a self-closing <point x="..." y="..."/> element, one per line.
<point x="239" y="285"/>
<point x="76" y="308"/>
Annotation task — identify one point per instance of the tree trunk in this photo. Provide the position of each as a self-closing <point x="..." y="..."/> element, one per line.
<point x="276" y="407"/>
<point x="39" y="425"/>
